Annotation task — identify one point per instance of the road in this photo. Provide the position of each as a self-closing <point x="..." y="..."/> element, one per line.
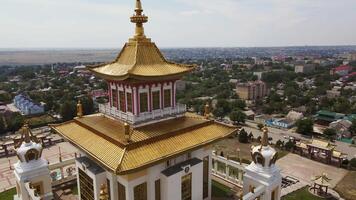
<point x="279" y="134"/>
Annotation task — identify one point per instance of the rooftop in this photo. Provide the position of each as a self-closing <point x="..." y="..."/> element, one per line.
<point x="140" y="58"/>
<point x="148" y="144"/>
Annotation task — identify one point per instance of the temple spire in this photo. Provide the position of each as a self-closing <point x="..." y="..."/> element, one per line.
<point x="264" y="140"/>
<point x="139" y="19"/>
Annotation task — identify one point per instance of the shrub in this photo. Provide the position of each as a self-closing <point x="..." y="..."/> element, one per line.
<point x="353" y="163"/>
<point x="243" y="137"/>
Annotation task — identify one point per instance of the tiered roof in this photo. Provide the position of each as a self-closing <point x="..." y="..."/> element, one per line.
<point x="140" y="58"/>
<point x="103" y="139"/>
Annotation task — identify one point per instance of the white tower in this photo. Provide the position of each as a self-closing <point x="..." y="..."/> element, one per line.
<point x="262" y="178"/>
<point x="33" y="179"/>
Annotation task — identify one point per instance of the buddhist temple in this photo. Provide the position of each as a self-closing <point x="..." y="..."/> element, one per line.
<point x="143" y="144"/>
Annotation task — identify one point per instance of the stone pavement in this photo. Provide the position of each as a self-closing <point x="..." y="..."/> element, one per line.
<point x="304" y="169"/>
<point x="7" y="177"/>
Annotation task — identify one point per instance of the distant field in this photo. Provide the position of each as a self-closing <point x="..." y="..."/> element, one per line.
<point x="33" y="57"/>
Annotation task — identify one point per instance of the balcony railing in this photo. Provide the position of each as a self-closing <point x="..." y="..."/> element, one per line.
<point x="106" y="109"/>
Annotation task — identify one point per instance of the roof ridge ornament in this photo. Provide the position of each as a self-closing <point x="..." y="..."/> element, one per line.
<point x="139" y="19"/>
<point x="264" y="140"/>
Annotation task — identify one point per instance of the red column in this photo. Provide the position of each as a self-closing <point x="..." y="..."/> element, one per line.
<point x="162" y="95"/>
<point x="133" y="101"/>
<point x="174" y="93"/>
<point x="149" y="98"/>
<point x="137" y="100"/>
<point x="125" y="103"/>
<point x="110" y="93"/>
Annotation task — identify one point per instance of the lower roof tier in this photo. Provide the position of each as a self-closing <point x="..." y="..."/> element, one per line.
<point x="103" y="139"/>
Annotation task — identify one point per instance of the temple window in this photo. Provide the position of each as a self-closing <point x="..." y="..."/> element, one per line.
<point x="155" y="100"/>
<point x="143" y="102"/>
<point x="122" y="192"/>
<point x="140" y="192"/>
<point x="187" y="187"/>
<point x="108" y="187"/>
<point x="206" y="177"/>
<point x="86" y="186"/>
<point x="129" y="101"/>
<point x="114" y="98"/>
<point x="122" y="101"/>
<point x="158" y="189"/>
<point x="167" y="98"/>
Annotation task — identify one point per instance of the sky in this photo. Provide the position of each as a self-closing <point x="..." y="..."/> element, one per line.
<point x="177" y="23"/>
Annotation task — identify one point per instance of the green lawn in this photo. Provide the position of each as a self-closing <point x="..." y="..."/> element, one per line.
<point x="301" y="194"/>
<point x="219" y="190"/>
<point x="8" y="194"/>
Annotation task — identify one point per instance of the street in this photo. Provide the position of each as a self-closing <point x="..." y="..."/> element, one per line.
<point x="279" y="134"/>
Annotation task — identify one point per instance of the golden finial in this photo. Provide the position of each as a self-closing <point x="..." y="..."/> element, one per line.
<point x="139" y="19"/>
<point x="79" y="109"/>
<point x="26" y="132"/>
<point x="207" y="110"/>
<point x="127" y="132"/>
<point x="264" y="140"/>
<point x="103" y="192"/>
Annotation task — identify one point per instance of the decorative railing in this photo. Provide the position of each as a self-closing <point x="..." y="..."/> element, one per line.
<point x="142" y="117"/>
<point x="228" y="170"/>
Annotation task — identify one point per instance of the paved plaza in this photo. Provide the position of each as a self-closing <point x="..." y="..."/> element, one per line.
<point x="7" y="177"/>
<point x="304" y="169"/>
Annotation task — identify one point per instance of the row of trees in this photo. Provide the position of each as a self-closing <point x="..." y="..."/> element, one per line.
<point x="10" y="122"/>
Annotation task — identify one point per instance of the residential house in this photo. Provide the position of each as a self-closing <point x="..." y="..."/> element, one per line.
<point x="341" y="127"/>
<point x="27" y="106"/>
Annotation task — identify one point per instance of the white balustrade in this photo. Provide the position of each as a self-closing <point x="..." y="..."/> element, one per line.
<point x="142" y="117"/>
<point x="229" y="167"/>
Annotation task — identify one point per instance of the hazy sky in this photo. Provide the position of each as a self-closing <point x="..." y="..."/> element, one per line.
<point x="177" y="23"/>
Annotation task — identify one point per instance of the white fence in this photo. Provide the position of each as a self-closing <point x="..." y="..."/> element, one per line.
<point x="142" y="117"/>
<point x="228" y="170"/>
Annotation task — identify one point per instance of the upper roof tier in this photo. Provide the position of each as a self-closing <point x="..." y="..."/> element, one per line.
<point x="140" y="58"/>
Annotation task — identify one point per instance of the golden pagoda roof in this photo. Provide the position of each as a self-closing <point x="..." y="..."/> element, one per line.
<point x="140" y="58"/>
<point x="103" y="139"/>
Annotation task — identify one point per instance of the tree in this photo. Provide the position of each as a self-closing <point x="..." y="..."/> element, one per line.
<point x="260" y="126"/>
<point x="289" y="145"/>
<point x="219" y="113"/>
<point x="352" y="128"/>
<point x="224" y="106"/>
<point x="305" y="126"/>
<point x="250" y="136"/>
<point x="68" y="110"/>
<point x="353" y="162"/>
<point x="2" y="125"/>
<point x="243" y="137"/>
<point x="237" y="117"/>
<point x="329" y="133"/>
<point x="88" y="105"/>
<point x="14" y="122"/>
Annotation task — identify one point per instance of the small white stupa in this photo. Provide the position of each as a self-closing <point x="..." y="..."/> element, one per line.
<point x="32" y="174"/>
<point x="262" y="177"/>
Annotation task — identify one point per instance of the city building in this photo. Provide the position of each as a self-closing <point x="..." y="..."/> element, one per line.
<point x="143" y="144"/>
<point x="326" y="117"/>
<point x="341" y="127"/>
<point x="287" y="122"/>
<point x="27" y="106"/>
<point x="32" y="174"/>
<point x="252" y="90"/>
<point x="341" y="70"/>
<point x="304" y="68"/>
